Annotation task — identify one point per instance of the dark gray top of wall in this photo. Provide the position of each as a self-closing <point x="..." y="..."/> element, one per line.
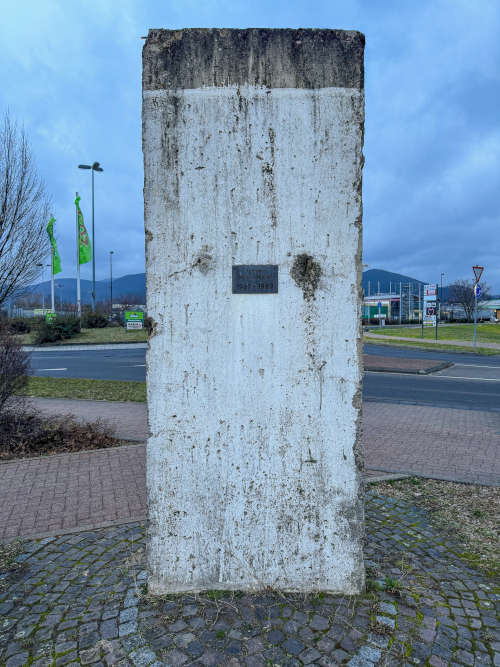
<point x="284" y="58"/>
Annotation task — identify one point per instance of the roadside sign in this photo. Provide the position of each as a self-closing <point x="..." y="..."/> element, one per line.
<point x="50" y="316"/>
<point x="478" y="271"/>
<point x="430" y="299"/>
<point x="134" y="319"/>
<point x="379" y="304"/>
<point x="477" y="290"/>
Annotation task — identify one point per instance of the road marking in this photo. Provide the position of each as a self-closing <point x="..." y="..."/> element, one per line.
<point x="51" y="369"/>
<point x="477" y="366"/>
<point x="433" y="375"/>
<point x="136" y="365"/>
<point x="464" y="377"/>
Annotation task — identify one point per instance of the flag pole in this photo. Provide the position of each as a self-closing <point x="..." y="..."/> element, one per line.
<point x="78" y="296"/>
<point x="52" y="278"/>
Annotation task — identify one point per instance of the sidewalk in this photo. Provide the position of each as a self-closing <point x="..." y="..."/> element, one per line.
<point x="80" y="599"/>
<point x="71" y="492"/>
<point x="456" y="343"/>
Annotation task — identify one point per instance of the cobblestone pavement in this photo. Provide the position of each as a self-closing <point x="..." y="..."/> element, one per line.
<point x="80" y="599"/>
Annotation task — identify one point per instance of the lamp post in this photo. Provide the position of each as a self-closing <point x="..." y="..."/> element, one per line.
<point x="441" y="295"/>
<point x="111" y="252"/>
<point x="42" y="266"/>
<point x="93" y="167"/>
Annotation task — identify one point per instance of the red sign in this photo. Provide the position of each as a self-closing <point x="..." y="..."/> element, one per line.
<point x="478" y="271"/>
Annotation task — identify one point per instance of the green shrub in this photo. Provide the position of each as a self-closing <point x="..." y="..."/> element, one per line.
<point x="61" y="328"/>
<point x="94" y="321"/>
<point x="19" y="326"/>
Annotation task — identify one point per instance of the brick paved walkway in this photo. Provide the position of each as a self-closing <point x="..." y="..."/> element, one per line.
<point x="72" y="491"/>
<point x="80" y="599"/>
<point x="444" y="443"/>
<point x="68" y="492"/>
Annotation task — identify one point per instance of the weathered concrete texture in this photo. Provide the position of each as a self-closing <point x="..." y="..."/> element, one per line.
<point x="285" y="58"/>
<point x="253" y="399"/>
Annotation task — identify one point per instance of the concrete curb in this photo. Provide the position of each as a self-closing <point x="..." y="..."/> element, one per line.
<point x="405" y="371"/>
<point x="439" y="478"/>
<point x="80" y="529"/>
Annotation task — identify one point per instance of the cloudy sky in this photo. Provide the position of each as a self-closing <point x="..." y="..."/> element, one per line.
<point x="71" y="72"/>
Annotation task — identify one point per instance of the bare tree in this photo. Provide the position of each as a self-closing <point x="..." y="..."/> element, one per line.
<point x="461" y="293"/>
<point x="13" y="366"/>
<point x="24" y="209"/>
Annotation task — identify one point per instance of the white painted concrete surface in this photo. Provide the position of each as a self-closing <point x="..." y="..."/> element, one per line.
<point x="254" y="400"/>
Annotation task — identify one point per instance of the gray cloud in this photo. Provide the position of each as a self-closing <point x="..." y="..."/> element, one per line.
<point x="71" y="72"/>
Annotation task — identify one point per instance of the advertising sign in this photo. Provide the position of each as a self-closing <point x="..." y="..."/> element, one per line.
<point x="134" y="319"/>
<point x="430" y="305"/>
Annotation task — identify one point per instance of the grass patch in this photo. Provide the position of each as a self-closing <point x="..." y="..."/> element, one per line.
<point x="415" y="344"/>
<point x="467" y="512"/>
<point x="91" y="390"/>
<point x="486" y="333"/>
<point x="97" y="336"/>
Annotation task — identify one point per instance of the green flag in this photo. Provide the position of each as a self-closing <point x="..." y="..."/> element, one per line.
<point x="56" y="260"/>
<point x="84" y="247"/>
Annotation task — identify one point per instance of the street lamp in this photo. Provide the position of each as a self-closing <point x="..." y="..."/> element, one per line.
<point x="111" y="252"/>
<point x="42" y="266"/>
<point x="93" y="167"/>
<point x="441" y="295"/>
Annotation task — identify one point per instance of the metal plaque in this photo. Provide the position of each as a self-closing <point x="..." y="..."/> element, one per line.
<point x="255" y="279"/>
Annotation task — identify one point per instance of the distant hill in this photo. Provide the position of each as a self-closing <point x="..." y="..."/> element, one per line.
<point x="65" y="289"/>
<point x="375" y="280"/>
<point x="135" y="284"/>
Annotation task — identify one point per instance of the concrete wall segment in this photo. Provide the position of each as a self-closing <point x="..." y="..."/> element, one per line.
<point x="253" y="472"/>
<point x="273" y="58"/>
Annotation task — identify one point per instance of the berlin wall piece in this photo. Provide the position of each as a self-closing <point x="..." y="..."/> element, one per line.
<point x="252" y="143"/>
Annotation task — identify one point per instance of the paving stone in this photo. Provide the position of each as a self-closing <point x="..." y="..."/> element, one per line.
<point x="142" y="657"/>
<point x="17" y="660"/>
<point x="127" y="628"/>
<point x="387" y="608"/>
<point x="385" y="620"/>
<point x="209" y="658"/>
<point x="90" y="656"/>
<point x="309" y="655"/>
<point x="319" y="623"/>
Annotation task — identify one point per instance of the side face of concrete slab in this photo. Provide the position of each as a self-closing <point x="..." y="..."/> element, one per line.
<point x="252" y="145"/>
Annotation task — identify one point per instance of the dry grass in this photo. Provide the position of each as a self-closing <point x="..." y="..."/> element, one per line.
<point x="26" y="433"/>
<point x="467" y="512"/>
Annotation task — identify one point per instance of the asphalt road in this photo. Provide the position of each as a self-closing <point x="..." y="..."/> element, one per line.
<point x="471" y="383"/>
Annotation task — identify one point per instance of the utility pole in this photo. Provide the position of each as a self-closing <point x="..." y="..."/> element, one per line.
<point x="111" y="282"/>
<point x="478" y="272"/>
<point x="400" y="303"/>
<point x="437" y="311"/>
